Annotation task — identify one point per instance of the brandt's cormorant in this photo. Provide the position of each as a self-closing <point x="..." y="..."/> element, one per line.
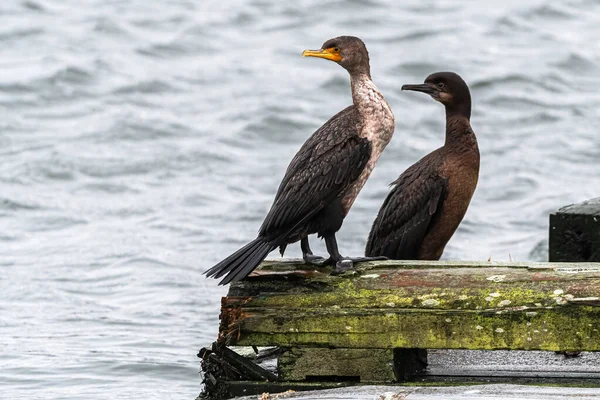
<point x="430" y="198"/>
<point x="326" y="174"/>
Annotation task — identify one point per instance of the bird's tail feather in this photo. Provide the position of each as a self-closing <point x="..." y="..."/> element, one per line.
<point x="239" y="265"/>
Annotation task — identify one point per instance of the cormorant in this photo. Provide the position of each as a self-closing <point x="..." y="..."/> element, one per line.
<point x="325" y="176"/>
<point x="430" y="198"/>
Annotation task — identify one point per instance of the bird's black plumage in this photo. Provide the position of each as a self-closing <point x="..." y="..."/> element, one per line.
<point x="408" y="211"/>
<point x="327" y="163"/>
<point x="320" y="182"/>
<point x="430" y="198"/>
<point x="321" y="171"/>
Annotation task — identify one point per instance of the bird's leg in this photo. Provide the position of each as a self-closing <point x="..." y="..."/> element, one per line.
<point x="343" y="264"/>
<point x="335" y="258"/>
<point x="307" y="254"/>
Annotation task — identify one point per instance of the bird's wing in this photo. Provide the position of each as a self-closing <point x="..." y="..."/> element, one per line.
<point x="407" y="212"/>
<point x="330" y="160"/>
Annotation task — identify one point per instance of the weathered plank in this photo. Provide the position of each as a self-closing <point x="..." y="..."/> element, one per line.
<point x="395" y="304"/>
<point x="359" y="365"/>
<point x="575" y="232"/>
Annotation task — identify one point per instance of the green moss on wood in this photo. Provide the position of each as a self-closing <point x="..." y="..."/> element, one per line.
<point x="369" y="365"/>
<point x="548" y="329"/>
<point x="430" y="306"/>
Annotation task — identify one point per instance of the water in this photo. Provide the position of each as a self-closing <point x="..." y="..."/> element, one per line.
<point x="141" y="142"/>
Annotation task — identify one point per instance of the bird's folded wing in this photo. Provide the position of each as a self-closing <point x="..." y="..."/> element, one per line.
<point x="323" y="169"/>
<point x="406" y="214"/>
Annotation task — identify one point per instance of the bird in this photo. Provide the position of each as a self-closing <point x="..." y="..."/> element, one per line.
<point x="325" y="176"/>
<point x="429" y="200"/>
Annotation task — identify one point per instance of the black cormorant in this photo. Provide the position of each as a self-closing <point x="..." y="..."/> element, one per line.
<point x="326" y="174"/>
<point x="430" y="198"/>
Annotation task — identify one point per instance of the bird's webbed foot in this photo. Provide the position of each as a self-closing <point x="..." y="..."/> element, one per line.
<point x="364" y="259"/>
<point x="310" y="258"/>
<point x="345" y="264"/>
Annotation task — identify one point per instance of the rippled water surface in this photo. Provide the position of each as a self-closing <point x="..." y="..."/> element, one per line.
<point x="141" y="142"/>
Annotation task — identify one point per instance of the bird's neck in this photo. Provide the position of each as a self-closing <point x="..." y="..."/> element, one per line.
<point x="375" y="117"/>
<point x="364" y="93"/>
<point x="459" y="135"/>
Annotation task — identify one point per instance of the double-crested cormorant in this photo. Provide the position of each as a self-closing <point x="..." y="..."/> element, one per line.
<point x="430" y="199"/>
<point x="326" y="174"/>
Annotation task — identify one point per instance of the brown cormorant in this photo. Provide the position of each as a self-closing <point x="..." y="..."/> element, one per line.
<point x="326" y="174"/>
<point x="429" y="200"/>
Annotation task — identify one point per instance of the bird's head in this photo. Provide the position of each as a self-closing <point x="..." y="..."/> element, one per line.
<point x="348" y="51"/>
<point x="449" y="89"/>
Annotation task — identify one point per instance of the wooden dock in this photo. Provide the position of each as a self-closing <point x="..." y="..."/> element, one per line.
<point x="376" y="324"/>
<point x="410" y="304"/>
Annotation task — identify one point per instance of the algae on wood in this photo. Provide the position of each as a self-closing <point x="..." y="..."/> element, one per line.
<point x="392" y="304"/>
<point x="359" y="365"/>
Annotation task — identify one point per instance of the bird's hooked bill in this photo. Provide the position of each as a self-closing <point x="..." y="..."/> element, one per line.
<point x="328" y="54"/>
<point x="423" y="87"/>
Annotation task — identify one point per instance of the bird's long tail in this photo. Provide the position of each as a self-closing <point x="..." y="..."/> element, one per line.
<point x="239" y="265"/>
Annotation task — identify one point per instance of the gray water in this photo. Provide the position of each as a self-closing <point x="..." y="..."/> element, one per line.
<point x="141" y="142"/>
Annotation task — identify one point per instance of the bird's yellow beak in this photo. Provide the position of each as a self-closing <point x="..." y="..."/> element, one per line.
<point x="332" y="54"/>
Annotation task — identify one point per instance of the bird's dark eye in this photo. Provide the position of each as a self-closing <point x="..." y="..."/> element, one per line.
<point x="336" y="49"/>
<point x="441" y="85"/>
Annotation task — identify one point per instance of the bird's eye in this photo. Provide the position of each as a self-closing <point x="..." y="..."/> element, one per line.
<point x="336" y="49"/>
<point x="441" y="85"/>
